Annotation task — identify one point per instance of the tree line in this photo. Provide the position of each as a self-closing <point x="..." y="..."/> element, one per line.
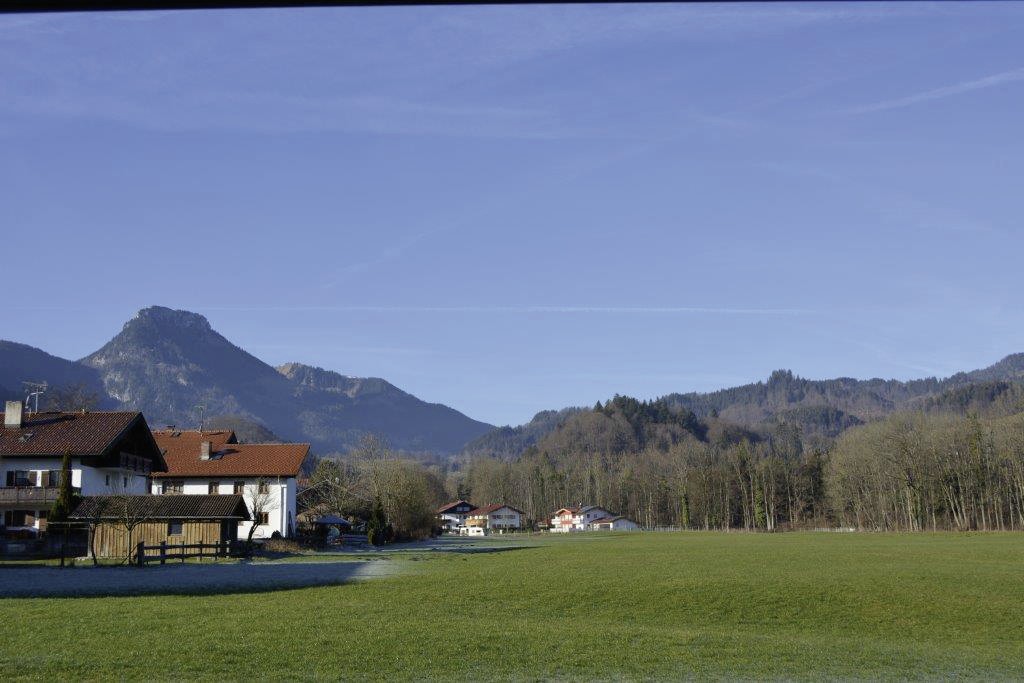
<point x="909" y="471"/>
<point x="660" y="465"/>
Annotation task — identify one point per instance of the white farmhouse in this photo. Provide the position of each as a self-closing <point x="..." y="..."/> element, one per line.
<point x="578" y="518"/>
<point x="112" y="453"/>
<point x="213" y="462"/>
<point x="452" y="517"/>
<point x="491" y="518"/>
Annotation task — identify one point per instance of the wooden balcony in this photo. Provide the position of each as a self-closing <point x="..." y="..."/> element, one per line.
<point x="29" y="496"/>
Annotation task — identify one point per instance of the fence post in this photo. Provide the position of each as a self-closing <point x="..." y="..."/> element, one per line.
<point x="182" y="551"/>
<point x="140" y="553"/>
<point x="163" y="551"/>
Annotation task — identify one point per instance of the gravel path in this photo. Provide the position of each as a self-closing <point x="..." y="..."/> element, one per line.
<point x="236" y="577"/>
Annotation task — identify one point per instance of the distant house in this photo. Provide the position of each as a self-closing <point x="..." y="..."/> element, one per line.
<point x="214" y="463"/>
<point x="618" y="523"/>
<point x="578" y="518"/>
<point x="174" y="520"/>
<point x="490" y="518"/>
<point x="111" y="453"/>
<point x="452" y="517"/>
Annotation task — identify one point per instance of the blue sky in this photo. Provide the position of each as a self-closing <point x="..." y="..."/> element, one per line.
<point x="507" y="209"/>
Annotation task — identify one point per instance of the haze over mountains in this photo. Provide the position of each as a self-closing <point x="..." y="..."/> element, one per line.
<point x="167" y="363"/>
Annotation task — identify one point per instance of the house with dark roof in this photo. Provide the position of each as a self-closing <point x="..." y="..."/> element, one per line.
<point x="111" y="453"/>
<point x="497" y="517"/>
<point x="156" y="520"/>
<point x="452" y="517"/>
<point x="212" y="462"/>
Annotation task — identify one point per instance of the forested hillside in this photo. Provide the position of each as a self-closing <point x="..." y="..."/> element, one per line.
<point x="909" y="471"/>
<point x="786" y="453"/>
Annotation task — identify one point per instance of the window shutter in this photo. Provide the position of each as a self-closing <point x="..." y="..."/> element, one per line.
<point x="10" y="482"/>
<point x="33" y="477"/>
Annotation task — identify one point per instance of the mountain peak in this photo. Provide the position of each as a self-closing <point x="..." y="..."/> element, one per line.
<point x="161" y="316"/>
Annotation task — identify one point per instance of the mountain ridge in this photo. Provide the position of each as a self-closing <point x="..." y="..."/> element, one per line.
<point x="167" y="363"/>
<point x="822" y="409"/>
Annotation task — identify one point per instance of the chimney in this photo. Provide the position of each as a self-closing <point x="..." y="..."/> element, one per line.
<point x="204" y="450"/>
<point x="12" y="414"/>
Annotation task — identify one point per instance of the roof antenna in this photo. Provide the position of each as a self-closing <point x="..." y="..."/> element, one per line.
<point x="34" y="390"/>
<point x="202" y="411"/>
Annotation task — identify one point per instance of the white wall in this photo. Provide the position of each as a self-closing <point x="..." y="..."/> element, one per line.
<point x="92" y="481"/>
<point x="504" y="518"/>
<point x="282" y="505"/>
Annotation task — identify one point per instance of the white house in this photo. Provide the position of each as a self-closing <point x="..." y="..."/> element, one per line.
<point x="213" y="462"/>
<point x="618" y="523"/>
<point x="452" y="517"/>
<point x="584" y="519"/>
<point x="491" y="518"/>
<point x="112" y="453"/>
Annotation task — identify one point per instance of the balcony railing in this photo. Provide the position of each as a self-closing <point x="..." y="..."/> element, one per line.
<point x="29" y="495"/>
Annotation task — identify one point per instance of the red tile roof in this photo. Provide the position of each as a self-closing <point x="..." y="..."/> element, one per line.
<point x="83" y="434"/>
<point x="178" y="443"/>
<point x="228" y="459"/>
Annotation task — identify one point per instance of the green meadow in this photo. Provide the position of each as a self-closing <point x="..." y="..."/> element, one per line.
<point x="591" y="606"/>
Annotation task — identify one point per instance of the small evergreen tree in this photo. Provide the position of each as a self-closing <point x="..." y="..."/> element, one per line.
<point x="65" y="502"/>
<point x="377" y="528"/>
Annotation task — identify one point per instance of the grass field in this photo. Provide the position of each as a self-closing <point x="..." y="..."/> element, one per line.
<point x="592" y="606"/>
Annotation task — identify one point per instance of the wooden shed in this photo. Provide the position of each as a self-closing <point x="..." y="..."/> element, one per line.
<point x="117" y="524"/>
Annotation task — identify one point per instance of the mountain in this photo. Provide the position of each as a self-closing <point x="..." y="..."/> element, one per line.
<point x="507" y="442"/>
<point x="168" y="363"/>
<point x="347" y="407"/>
<point x="23" y="363"/>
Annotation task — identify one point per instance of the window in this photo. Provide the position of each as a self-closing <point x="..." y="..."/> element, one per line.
<point x="239" y="488"/>
<point x="21" y="478"/>
<point x="124" y="482"/>
<point x="51" y="478"/>
<point x="173" y="486"/>
<point x="174" y="528"/>
<point x="263" y="487"/>
<point x="106" y="480"/>
<point x="262" y="518"/>
<point x="213" y="488"/>
<point x="15" y="517"/>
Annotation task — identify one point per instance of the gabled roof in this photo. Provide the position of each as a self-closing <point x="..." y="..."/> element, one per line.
<point x="83" y="434"/>
<point x="181" y="442"/>
<point x="445" y="508"/>
<point x="615" y="518"/>
<point x="227" y="458"/>
<point x="162" y="507"/>
<point x="488" y="509"/>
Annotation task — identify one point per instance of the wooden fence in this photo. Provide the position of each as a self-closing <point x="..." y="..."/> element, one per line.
<point x="145" y="554"/>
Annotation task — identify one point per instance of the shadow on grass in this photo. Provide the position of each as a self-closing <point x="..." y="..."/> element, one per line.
<point x="184" y="579"/>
